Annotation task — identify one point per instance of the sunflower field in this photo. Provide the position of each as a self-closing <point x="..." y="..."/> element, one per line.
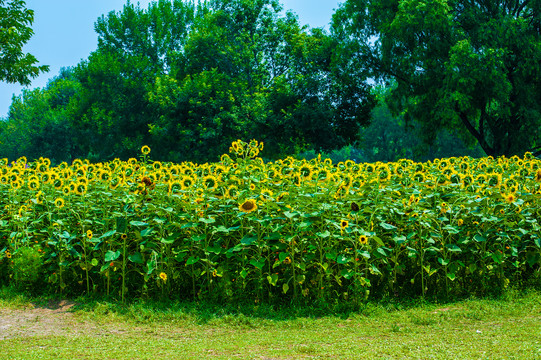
<point x="288" y="230"/>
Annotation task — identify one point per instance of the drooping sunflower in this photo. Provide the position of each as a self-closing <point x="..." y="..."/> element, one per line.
<point x="248" y="206"/>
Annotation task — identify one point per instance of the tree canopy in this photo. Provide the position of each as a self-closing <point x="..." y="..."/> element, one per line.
<point x="15" y="31"/>
<point x="470" y="66"/>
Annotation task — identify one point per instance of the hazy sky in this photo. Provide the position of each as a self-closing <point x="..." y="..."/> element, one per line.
<point x="64" y="32"/>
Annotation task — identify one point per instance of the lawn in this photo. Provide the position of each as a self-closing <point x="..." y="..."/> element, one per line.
<point x="508" y="327"/>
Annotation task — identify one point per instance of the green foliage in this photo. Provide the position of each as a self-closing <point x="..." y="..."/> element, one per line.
<point x="15" y="31"/>
<point x="39" y="122"/>
<point x="27" y="268"/>
<point x="188" y="79"/>
<point x="470" y="67"/>
<point x="290" y="230"/>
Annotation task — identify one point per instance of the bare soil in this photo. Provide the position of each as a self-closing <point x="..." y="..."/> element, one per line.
<point x="53" y="319"/>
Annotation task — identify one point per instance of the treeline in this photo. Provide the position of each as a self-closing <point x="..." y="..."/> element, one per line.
<point x="188" y="79"/>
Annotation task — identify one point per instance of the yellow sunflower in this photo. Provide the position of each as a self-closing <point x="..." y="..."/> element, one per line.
<point x="363" y="239"/>
<point x="248" y="206"/>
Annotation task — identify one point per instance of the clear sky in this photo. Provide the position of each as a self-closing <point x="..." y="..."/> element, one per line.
<point x="64" y="32"/>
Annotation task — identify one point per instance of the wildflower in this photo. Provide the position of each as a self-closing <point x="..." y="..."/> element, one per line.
<point x="354" y="206"/>
<point x="124" y="236"/>
<point x="8" y="254"/>
<point x="89" y="234"/>
<point x="163" y="276"/>
<point x="460" y="222"/>
<point x="145" y="150"/>
<point x="248" y="206"/>
<point x="343" y="224"/>
<point x="287" y="260"/>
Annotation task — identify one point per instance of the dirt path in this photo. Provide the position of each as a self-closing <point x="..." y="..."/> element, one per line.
<point x="53" y="319"/>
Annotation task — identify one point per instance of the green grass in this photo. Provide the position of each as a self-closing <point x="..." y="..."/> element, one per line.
<point x="508" y="327"/>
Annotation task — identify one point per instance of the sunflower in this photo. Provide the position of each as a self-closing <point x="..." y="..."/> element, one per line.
<point x="16" y="184"/>
<point x="80" y="189"/>
<point x="231" y="192"/>
<point x="248" y="206"/>
<point x="510" y="198"/>
<point x="33" y="184"/>
<point x="306" y="171"/>
<point x="354" y="206"/>
<point x="58" y="183"/>
<point x="266" y="194"/>
<point x="210" y="182"/>
<point x="538" y="175"/>
<point x="59" y="203"/>
<point x="363" y="239"/>
<point x="175" y="187"/>
<point x="145" y="150"/>
<point x="163" y="276"/>
<point x="89" y="234"/>
<point x="343" y="224"/>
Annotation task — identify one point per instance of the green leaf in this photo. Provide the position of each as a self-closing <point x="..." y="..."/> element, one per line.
<point x="282" y="256"/>
<point x="146" y="232"/>
<point x="342" y="259"/>
<point x="192" y="260"/>
<point x="378" y="241"/>
<point x="479" y="238"/>
<point x="272" y="279"/>
<point x="387" y="226"/>
<point x="138" y="223"/>
<point x="497" y="257"/>
<point x="243" y="273"/>
<point x="346" y="273"/>
<point x="453" y="248"/>
<point x="451" y="276"/>
<point x="285" y="288"/>
<point x="291" y="215"/>
<point x="248" y="240"/>
<point x="443" y="262"/>
<point x="108" y="233"/>
<point x="258" y="263"/>
<point x="111" y="256"/>
<point x="324" y="234"/>
<point x="207" y="220"/>
<point x="136" y="258"/>
<point x="94" y="262"/>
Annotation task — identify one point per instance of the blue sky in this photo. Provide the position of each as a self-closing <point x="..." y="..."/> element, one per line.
<point x="64" y="32"/>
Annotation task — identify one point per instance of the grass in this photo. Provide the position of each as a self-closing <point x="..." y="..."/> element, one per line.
<point x="507" y="327"/>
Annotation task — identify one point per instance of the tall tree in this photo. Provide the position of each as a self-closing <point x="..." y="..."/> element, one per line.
<point x="470" y="66"/>
<point x="250" y="71"/>
<point x="135" y="46"/>
<point x="15" y="31"/>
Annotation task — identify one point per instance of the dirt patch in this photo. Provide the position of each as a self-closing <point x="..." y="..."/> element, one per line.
<point x="54" y="319"/>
